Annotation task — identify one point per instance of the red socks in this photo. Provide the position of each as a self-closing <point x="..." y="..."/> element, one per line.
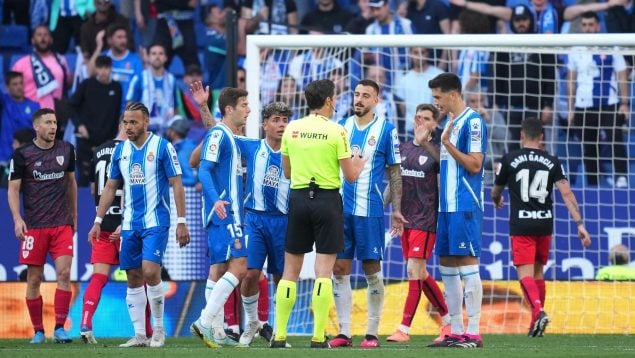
<point x="543" y="291"/>
<point x="91" y="298"/>
<point x="62" y="304"/>
<point x="532" y="295"/>
<point x="412" y="301"/>
<point x="433" y="293"/>
<point x="34" y="306"/>
<point x="263" y="300"/>
<point x="232" y="308"/>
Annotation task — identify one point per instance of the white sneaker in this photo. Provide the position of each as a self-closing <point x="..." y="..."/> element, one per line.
<point x="88" y="337"/>
<point x="621" y="182"/>
<point x="158" y="337"/>
<point x="136" y="341"/>
<point x="251" y="329"/>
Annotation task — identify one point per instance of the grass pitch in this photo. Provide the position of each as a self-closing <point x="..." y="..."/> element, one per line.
<point x="494" y="346"/>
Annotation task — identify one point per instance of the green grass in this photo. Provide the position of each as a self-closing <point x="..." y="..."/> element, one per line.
<point x="495" y="346"/>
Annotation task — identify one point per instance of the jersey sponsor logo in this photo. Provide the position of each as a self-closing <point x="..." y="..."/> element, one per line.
<point x="534" y="214"/>
<point x="294" y="134"/>
<point x="150" y="157"/>
<point x="47" y="176"/>
<point x="272" y="177"/>
<point x="212" y="150"/>
<point x="60" y="159"/>
<point x="136" y="175"/>
<point x="311" y="135"/>
<point x="412" y="173"/>
<point x="37" y="164"/>
<point x="422" y="159"/>
<point x="372" y="141"/>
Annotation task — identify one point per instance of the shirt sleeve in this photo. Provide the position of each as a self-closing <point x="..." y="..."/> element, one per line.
<point x="212" y="148"/>
<point x="343" y="147"/>
<point x="501" y="172"/>
<point x="393" y="153"/>
<point x="478" y="135"/>
<point x="115" y="171"/>
<point x="16" y="167"/>
<point x="559" y="172"/>
<point x="170" y="161"/>
<point x="71" y="162"/>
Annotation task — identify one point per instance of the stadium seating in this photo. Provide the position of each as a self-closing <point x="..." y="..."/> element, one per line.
<point x="14" y="37"/>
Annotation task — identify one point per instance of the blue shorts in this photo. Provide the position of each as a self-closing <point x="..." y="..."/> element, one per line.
<point x="139" y="245"/>
<point x="364" y="238"/>
<point x="265" y="236"/>
<point x="459" y="233"/>
<point x="225" y="241"/>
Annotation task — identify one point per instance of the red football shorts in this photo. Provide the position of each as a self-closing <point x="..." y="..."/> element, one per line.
<point x="105" y="251"/>
<point x="38" y="242"/>
<point x="530" y="249"/>
<point x="417" y="243"/>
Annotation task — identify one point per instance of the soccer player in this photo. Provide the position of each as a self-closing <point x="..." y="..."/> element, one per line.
<point x="419" y="205"/>
<point x="221" y="175"/>
<point x="44" y="172"/>
<point x="376" y="139"/>
<point x="147" y="165"/>
<point x="460" y="219"/>
<point x="314" y="149"/>
<point x="530" y="173"/>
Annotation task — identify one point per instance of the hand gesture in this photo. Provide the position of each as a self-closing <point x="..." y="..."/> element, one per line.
<point x="445" y="136"/>
<point x="99" y="39"/>
<point x="199" y="93"/>
<point x="182" y="235"/>
<point x="397" y="221"/>
<point x="584" y="236"/>
<point x="422" y="133"/>
<point x="94" y="233"/>
<point x="20" y="229"/>
<point x="219" y="209"/>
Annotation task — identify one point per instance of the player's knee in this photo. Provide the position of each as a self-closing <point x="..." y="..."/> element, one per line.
<point x="371" y="266"/>
<point x="63" y="274"/>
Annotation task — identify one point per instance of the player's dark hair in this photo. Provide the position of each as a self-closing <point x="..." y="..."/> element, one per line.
<point x="138" y="106"/>
<point x="369" y="83"/>
<point x="590" y="15"/>
<point x="532" y="127"/>
<point x="446" y="82"/>
<point x="10" y="76"/>
<point x="24" y="135"/>
<point x="229" y="96"/>
<point x="429" y="107"/>
<point x="41" y="112"/>
<point x="103" y="61"/>
<point x="112" y="28"/>
<point x="317" y="92"/>
<point x="276" y="108"/>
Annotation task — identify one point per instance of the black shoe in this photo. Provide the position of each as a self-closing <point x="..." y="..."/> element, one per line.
<point x="446" y="342"/>
<point x="468" y="342"/>
<point x="539" y="326"/>
<point x="232" y="335"/>
<point x="266" y="332"/>
<point x="278" y="344"/>
<point x="323" y="344"/>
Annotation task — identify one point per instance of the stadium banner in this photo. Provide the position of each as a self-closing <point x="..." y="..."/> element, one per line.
<point x="607" y="309"/>
<point x="568" y="260"/>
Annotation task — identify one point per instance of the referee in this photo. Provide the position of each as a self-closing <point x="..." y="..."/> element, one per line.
<point x="313" y="150"/>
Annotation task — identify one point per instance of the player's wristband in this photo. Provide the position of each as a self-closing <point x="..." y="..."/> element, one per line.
<point x="181" y="220"/>
<point x="579" y="222"/>
<point x="98" y="220"/>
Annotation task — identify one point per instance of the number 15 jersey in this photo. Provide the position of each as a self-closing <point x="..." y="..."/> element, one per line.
<point x="530" y="175"/>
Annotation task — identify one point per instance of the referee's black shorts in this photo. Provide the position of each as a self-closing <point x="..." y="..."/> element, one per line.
<point x="319" y="220"/>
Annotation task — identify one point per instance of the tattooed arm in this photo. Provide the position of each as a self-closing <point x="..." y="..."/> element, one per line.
<point x="395" y="185"/>
<point x="201" y="96"/>
<point x="572" y="204"/>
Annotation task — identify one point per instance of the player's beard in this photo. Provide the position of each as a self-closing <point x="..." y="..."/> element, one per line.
<point x="361" y="111"/>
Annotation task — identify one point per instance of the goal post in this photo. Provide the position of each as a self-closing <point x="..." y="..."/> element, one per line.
<point x="575" y="301"/>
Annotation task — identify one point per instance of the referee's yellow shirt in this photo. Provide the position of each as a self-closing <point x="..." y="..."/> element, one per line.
<point x="314" y="145"/>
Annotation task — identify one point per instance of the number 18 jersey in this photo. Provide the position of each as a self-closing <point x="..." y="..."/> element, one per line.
<point x="99" y="175"/>
<point x="530" y="175"/>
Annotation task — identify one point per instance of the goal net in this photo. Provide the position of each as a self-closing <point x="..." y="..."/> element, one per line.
<point x="506" y="78"/>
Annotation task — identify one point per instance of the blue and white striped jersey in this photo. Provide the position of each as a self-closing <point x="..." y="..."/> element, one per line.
<point x="377" y="141"/>
<point x="267" y="188"/>
<point x="221" y="158"/>
<point x="145" y="172"/>
<point x="460" y="190"/>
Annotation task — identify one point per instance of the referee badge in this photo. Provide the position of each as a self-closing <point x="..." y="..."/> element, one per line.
<point x="237" y="244"/>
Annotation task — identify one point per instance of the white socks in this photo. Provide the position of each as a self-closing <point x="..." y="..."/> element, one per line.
<point x="453" y="297"/>
<point x="250" y="303"/>
<point x="343" y="302"/>
<point x="208" y="288"/>
<point x="157" y="303"/>
<point x="136" y="301"/>
<point x="473" y="297"/>
<point x="217" y="299"/>
<point x="375" y="297"/>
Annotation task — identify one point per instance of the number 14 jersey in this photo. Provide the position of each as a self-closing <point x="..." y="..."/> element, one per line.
<point x="530" y="175"/>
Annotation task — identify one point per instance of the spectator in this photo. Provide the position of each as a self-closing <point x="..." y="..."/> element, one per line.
<point x="186" y="105"/>
<point x="155" y="87"/>
<point x="96" y="104"/>
<point x="495" y="25"/>
<point x="16" y="113"/>
<point x="524" y="83"/>
<point x="66" y="21"/>
<point x="45" y="72"/>
<point x="544" y="12"/>
<point x="430" y="17"/>
<point x="20" y="138"/>
<point x="145" y="14"/>
<point x="214" y="52"/>
<point x="314" y="64"/>
<point x="104" y="15"/>
<point x="175" y="29"/>
<point x="283" y="20"/>
<point x="16" y="12"/>
<point x="598" y="102"/>
<point x="497" y="134"/>
<point x="327" y="17"/>
<point x="359" y="23"/>
<point x="272" y="67"/>
<point x="343" y="95"/>
<point x="125" y="64"/>
<point x="177" y="135"/>
<point x="408" y="89"/>
<point x="289" y="93"/>
<point x="395" y="59"/>
<point x="472" y="67"/>
<point x="619" y="268"/>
